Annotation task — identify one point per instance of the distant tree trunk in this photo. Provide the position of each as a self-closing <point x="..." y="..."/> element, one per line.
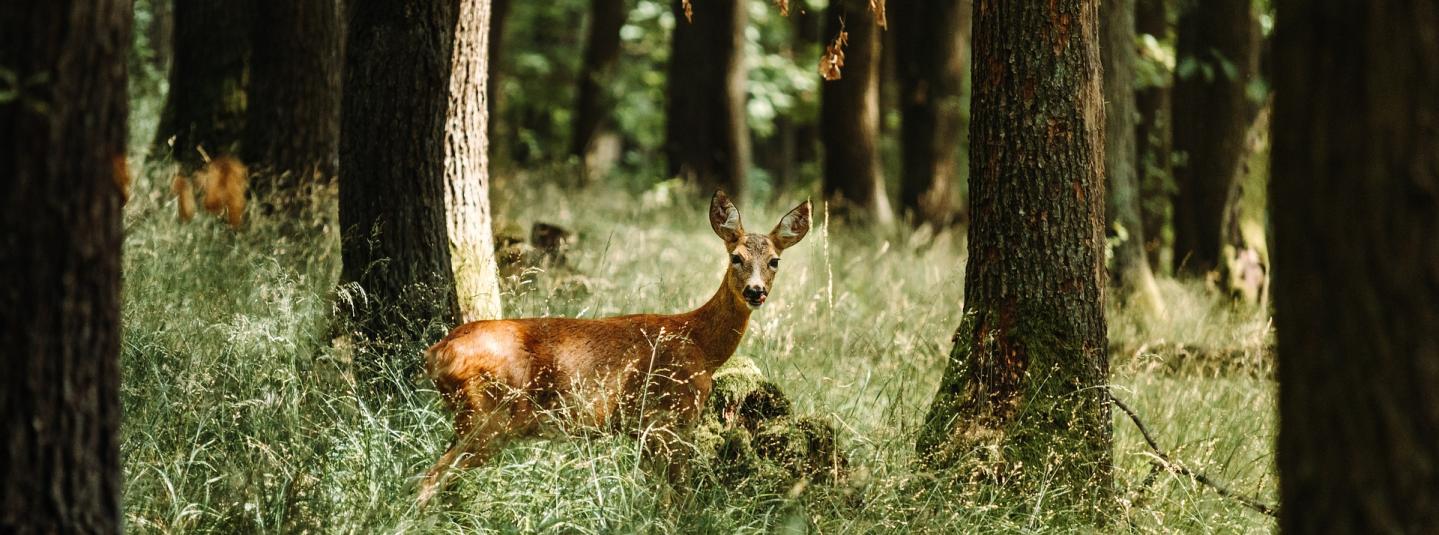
<point x="706" y="136"/>
<point x="208" y="81"/>
<point x="1356" y="214"/>
<point x="499" y="15"/>
<point x="849" y="118"/>
<point x="1211" y="117"/>
<point x="930" y="39"/>
<point x="1131" y="276"/>
<point x="161" y="34"/>
<point x="1029" y="362"/>
<point x="808" y="28"/>
<point x="64" y="170"/>
<point x="1151" y="133"/>
<point x="292" y="129"/>
<point x="392" y="166"/>
<point x="593" y="102"/>
<point x="467" y="176"/>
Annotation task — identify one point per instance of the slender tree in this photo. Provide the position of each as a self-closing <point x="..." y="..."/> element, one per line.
<point x="292" y="125"/>
<point x="208" y="80"/>
<point x="592" y="100"/>
<point x="930" y="38"/>
<point x="1028" y="366"/>
<point x="1356" y="215"/>
<point x="1152" y="137"/>
<point x="392" y="166"/>
<point x="1218" y="57"/>
<point x="706" y="138"/>
<point x="1131" y="275"/>
<point x="62" y="183"/>
<point x="467" y="177"/>
<point x="499" y="16"/>
<point x="849" y="117"/>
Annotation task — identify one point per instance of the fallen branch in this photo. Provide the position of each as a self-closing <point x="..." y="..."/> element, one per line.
<point x="1175" y="467"/>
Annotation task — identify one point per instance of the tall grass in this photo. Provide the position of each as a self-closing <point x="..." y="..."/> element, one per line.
<point x="241" y="413"/>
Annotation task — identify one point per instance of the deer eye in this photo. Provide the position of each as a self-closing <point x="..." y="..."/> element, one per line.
<point x="774" y="263"/>
<point x="735" y="259"/>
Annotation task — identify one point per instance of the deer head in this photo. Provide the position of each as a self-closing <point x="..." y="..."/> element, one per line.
<point x="754" y="258"/>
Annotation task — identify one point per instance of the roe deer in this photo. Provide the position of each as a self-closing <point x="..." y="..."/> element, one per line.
<point x="628" y="374"/>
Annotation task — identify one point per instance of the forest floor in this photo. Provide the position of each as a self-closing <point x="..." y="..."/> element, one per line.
<point x="241" y="415"/>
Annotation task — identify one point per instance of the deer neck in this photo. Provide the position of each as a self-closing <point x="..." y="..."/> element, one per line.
<point x="718" y="325"/>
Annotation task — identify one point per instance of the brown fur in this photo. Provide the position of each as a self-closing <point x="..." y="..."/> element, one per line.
<point x="638" y="374"/>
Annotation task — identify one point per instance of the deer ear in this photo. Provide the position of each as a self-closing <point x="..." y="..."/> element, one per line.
<point x="724" y="218"/>
<point x="792" y="227"/>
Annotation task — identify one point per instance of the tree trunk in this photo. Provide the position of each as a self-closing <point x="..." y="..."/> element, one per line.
<point x="208" y="81"/>
<point x="64" y="180"/>
<point x="1217" y="59"/>
<point x="392" y="164"/>
<point x="292" y="128"/>
<point x="1152" y="135"/>
<point x="849" y="118"/>
<point x="930" y="39"/>
<point x="499" y="15"/>
<point x="467" y="176"/>
<point x="1131" y="276"/>
<point x="1356" y="215"/>
<point x="1028" y="367"/>
<point x="593" y="101"/>
<point x="161" y="34"/>
<point x="706" y="136"/>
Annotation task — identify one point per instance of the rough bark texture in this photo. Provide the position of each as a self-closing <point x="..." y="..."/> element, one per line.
<point x="208" y="80"/>
<point x="1356" y="189"/>
<point x="706" y="137"/>
<point x="62" y="181"/>
<point x="1028" y="365"/>
<point x="1211" y="117"/>
<point x="467" y="175"/>
<point x="849" y="118"/>
<point x="392" y="166"/>
<point x="1153" y="141"/>
<point x="592" y="101"/>
<point x="292" y="126"/>
<point x="930" y="39"/>
<point x="1131" y="275"/>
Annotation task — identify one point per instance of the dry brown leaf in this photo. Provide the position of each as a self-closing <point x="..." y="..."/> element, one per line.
<point x="877" y="7"/>
<point x="832" y="61"/>
<point x="783" y="7"/>
<point x="186" y="195"/>
<point x="689" y="11"/>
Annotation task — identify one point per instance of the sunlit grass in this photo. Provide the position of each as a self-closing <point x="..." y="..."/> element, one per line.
<point x="241" y="415"/>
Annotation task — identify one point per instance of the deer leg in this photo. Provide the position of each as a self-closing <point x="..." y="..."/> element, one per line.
<point x="482" y="421"/>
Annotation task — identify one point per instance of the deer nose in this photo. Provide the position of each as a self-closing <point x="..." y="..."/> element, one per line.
<point x="754" y="292"/>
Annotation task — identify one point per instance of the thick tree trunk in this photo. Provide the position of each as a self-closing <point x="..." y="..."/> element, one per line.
<point x="467" y="176"/>
<point x="292" y="128"/>
<point x="208" y="81"/>
<point x="849" y="118"/>
<point x="706" y="136"/>
<point x="930" y="39"/>
<point x="1028" y="367"/>
<point x="1211" y="116"/>
<point x="1356" y="215"/>
<point x="592" y="101"/>
<point x="392" y="164"/>
<point x="1131" y="276"/>
<point x="62" y="181"/>
<point x="1152" y="136"/>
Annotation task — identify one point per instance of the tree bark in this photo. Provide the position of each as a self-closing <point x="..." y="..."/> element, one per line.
<point x="1356" y="213"/>
<point x="1211" y="117"/>
<point x="1131" y="276"/>
<point x="593" y="101"/>
<point x="849" y="118"/>
<point x="930" y="40"/>
<point x="292" y="126"/>
<point x="63" y="178"/>
<point x="467" y="176"/>
<point x="1152" y="136"/>
<point x="1028" y="367"/>
<point x="706" y="136"/>
<point x="392" y="163"/>
<point x="208" y="81"/>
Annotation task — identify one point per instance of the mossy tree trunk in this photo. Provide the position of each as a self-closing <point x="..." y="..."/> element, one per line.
<point x="392" y="167"/>
<point x="849" y="118"/>
<point x="209" y="78"/>
<point x="706" y="136"/>
<point x="1356" y="253"/>
<point x="1153" y="139"/>
<point x="64" y="176"/>
<point x="930" y="39"/>
<point x="467" y="174"/>
<point x="1028" y="367"/>
<point x="592" y="100"/>
<point x="292" y="124"/>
